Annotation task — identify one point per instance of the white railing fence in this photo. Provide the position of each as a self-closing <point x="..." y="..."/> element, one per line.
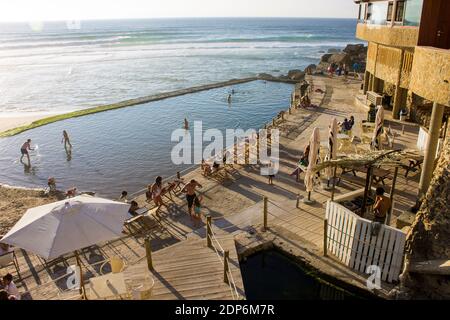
<point x="349" y="238"/>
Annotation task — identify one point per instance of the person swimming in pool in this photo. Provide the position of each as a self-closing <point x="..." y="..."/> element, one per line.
<point x="66" y="140"/>
<point x="24" y="151"/>
<point x="186" y="124"/>
<point x="229" y="98"/>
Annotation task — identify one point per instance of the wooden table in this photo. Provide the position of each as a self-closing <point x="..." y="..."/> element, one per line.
<point x="111" y="285"/>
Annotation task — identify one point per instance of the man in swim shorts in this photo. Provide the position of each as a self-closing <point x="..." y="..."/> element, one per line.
<point x="24" y="151"/>
<point x="189" y="189"/>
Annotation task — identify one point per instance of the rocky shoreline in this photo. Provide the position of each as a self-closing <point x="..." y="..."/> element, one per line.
<point x="352" y="54"/>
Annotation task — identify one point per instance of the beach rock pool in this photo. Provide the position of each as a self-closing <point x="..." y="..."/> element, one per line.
<point x="271" y="275"/>
<point x="125" y="149"/>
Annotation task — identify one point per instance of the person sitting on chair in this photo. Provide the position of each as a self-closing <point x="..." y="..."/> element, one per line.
<point x="132" y="211"/>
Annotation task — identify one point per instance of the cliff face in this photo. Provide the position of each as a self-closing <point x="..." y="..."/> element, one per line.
<point x="429" y="238"/>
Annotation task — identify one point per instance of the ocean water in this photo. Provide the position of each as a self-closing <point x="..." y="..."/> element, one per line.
<point x="126" y="149"/>
<point x="53" y="68"/>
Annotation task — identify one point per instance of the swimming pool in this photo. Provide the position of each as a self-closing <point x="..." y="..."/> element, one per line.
<point x="126" y="149"/>
<point x="270" y="275"/>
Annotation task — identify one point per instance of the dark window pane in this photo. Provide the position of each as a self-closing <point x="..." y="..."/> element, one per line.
<point x="400" y="11"/>
<point x="390" y="10"/>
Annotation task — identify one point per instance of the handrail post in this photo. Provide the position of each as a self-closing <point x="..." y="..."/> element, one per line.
<point x="208" y="231"/>
<point x="325" y="235"/>
<point x="148" y="252"/>
<point x="226" y="256"/>
<point x="265" y="213"/>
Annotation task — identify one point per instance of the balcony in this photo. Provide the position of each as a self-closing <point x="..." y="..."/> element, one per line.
<point x="398" y="36"/>
<point x="430" y="74"/>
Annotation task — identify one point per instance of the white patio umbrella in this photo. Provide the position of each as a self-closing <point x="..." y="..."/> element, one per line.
<point x="379" y="120"/>
<point x="332" y="146"/>
<point x="55" y="229"/>
<point x="314" y="145"/>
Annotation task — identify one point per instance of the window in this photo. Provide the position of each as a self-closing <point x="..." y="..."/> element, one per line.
<point x="369" y="11"/>
<point x="399" y="12"/>
<point x="390" y="10"/>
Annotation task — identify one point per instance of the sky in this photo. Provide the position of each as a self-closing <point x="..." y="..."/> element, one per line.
<point x="46" y="10"/>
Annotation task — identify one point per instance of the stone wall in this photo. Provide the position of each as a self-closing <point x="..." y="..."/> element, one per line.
<point x="430" y="75"/>
<point x="371" y="57"/>
<point x="397" y="36"/>
<point x="429" y="237"/>
<point x="388" y="64"/>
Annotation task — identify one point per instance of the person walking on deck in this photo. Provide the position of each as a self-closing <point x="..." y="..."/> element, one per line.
<point x="189" y="189"/>
<point x="24" y="151"/>
<point x="157" y="193"/>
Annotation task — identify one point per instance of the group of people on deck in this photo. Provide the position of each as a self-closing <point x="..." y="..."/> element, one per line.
<point x="156" y="191"/>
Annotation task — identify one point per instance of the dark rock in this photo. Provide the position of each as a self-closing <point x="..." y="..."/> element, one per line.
<point x="326" y="57"/>
<point x="354" y="48"/>
<point x="296" y="75"/>
<point x="340" y="58"/>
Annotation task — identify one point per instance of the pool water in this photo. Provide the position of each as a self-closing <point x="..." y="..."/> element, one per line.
<point x="270" y="275"/>
<point x="126" y="149"/>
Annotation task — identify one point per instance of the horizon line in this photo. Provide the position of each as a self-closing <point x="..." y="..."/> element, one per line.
<point x="180" y="17"/>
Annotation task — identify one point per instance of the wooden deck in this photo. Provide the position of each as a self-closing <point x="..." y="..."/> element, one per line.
<point x="190" y="270"/>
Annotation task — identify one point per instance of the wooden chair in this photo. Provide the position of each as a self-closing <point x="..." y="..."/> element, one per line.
<point x="8" y="259"/>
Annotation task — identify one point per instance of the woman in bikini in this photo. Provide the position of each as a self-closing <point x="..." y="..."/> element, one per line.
<point x="157" y="192"/>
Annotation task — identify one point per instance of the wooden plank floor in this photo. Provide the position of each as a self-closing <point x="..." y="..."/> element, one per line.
<point x="190" y="270"/>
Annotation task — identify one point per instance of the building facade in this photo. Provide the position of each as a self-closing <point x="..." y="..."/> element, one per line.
<point x="408" y="49"/>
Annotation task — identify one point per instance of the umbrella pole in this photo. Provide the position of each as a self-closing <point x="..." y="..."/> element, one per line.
<point x="82" y="289"/>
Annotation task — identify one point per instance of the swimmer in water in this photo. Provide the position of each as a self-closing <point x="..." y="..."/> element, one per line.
<point x="24" y="151"/>
<point x="66" y="140"/>
<point x="229" y="98"/>
<point x="186" y="124"/>
<point x="233" y="92"/>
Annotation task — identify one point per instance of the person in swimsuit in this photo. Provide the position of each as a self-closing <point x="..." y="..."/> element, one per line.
<point x="186" y="124"/>
<point x="66" y="140"/>
<point x="148" y="193"/>
<point x="24" y="151"/>
<point x="189" y="189"/>
<point x="229" y="98"/>
<point x="197" y="210"/>
<point x="157" y="192"/>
